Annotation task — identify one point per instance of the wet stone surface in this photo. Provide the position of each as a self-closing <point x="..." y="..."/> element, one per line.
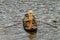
<point x="12" y="13"/>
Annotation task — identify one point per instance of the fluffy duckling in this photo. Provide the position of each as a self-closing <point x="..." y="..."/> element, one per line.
<point x="29" y="22"/>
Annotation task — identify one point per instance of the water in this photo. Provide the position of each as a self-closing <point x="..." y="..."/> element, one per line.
<point x="12" y="13"/>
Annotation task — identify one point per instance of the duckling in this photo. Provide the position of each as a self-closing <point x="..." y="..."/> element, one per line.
<point x="29" y="22"/>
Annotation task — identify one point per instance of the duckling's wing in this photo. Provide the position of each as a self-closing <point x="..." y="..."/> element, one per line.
<point x="34" y="21"/>
<point x="25" y="23"/>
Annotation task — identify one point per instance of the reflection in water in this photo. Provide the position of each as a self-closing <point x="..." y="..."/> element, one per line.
<point x="32" y="37"/>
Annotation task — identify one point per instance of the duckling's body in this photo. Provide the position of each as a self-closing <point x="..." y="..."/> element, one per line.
<point x="29" y="23"/>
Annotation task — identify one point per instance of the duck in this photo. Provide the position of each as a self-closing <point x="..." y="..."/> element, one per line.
<point x="29" y="22"/>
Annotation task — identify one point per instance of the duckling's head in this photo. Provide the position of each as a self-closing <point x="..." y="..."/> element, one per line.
<point x="30" y="12"/>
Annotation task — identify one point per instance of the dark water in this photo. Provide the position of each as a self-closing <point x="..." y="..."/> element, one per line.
<point x="12" y="13"/>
